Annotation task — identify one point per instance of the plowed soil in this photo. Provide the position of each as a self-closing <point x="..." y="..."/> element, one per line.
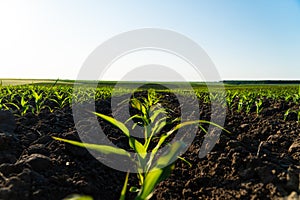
<point x="260" y="159"/>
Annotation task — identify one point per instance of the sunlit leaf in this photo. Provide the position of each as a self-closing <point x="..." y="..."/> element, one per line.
<point x="105" y="149"/>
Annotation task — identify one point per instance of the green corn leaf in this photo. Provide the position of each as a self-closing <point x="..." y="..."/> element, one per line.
<point x="13" y="104"/>
<point x="123" y="192"/>
<point x="100" y="148"/>
<point x="184" y="160"/>
<point x="133" y="143"/>
<point x="138" y="147"/>
<point x="78" y="197"/>
<point x="23" y="102"/>
<point x="36" y="96"/>
<point x="135" y="103"/>
<point x="58" y="95"/>
<point x="203" y="129"/>
<point x="134" y="117"/>
<point x="160" y="171"/>
<point x="134" y="189"/>
<point x="159" y="125"/>
<point x="177" y="127"/>
<point x="165" y="136"/>
<point x="156" y="129"/>
<point x="156" y="113"/>
<point x="114" y="122"/>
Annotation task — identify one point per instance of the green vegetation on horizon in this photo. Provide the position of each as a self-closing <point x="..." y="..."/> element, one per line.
<point x="21" y="99"/>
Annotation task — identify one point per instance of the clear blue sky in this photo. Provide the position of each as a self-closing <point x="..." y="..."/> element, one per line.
<point x="246" y="39"/>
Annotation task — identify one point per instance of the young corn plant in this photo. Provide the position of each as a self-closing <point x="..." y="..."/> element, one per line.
<point x="240" y="105"/>
<point x="24" y="106"/>
<point x="296" y="97"/>
<point x="60" y="100"/>
<point x="247" y="102"/>
<point x="259" y="107"/>
<point x="39" y="102"/>
<point x="230" y="99"/>
<point x="152" y="167"/>
<point x="248" y="108"/>
<point x="286" y="114"/>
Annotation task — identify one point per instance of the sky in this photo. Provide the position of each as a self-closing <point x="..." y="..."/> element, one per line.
<point x="245" y="39"/>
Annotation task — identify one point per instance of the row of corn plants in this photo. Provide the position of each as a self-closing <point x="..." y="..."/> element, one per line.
<point x="35" y="98"/>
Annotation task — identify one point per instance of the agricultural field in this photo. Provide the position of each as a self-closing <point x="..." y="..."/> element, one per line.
<point x="256" y="157"/>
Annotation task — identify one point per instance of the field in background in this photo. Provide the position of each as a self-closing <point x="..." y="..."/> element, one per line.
<point x="7" y="82"/>
<point x="34" y="95"/>
<point x="15" y="81"/>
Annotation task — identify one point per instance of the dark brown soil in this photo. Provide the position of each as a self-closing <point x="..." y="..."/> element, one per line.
<point x="259" y="160"/>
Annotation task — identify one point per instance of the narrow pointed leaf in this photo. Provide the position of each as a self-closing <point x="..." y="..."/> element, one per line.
<point x="123" y="192"/>
<point x="100" y="148"/>
<point x="160" y="172"/>
<point x="114" y="122"/>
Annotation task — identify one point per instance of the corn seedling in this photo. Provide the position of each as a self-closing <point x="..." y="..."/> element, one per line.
<point x="230" y="99"/>
<point x="296" y="97"/>
<point x="258" y="105"/>
<point x="39" y="102"/>
<point x="240" y="105"/>
<point x="150" y="172"/>
<point x="286" y="114"/>
<point x="60" y="100"/>
<point x="249" y="104"/>
<point x="24" y="106"/>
